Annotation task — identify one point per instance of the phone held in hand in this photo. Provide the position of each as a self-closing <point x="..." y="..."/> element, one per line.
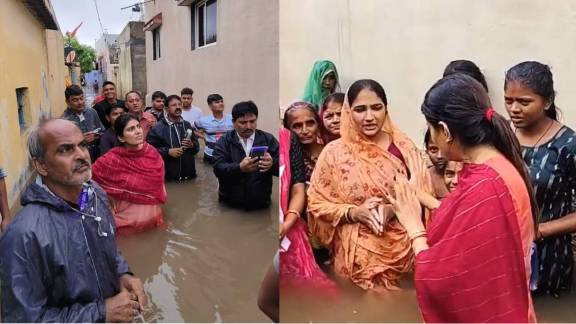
<point x="97" y="131"/>
<point x="258" y="151"/>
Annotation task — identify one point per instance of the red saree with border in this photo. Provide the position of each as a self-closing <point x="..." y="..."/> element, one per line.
<point x="474" y="269"/>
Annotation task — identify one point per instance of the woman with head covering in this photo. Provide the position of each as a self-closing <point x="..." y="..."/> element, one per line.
<point x="297" y="266"/>
<point x="322" y="81"/>
<point x="346" y="199"/>
<point x="304" y="121"/>
<point x="132" y="175"/>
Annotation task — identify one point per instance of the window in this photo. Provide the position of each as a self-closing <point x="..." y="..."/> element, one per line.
<point x="204" y="23"/>
<point x="156" y="43"/>
<point x="22" y="101"/>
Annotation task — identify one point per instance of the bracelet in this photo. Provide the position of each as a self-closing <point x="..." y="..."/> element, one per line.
<point x="416" y="235"/>
<point x="292" y="211"/>
<point x="347" y="216"/>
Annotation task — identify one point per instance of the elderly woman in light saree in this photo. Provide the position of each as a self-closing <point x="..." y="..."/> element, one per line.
<point x="346" y="205"/>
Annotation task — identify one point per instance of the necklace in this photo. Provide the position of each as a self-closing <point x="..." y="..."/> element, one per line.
<point x="541" y="136"/>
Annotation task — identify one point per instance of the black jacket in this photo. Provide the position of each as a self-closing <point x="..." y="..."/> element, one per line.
<point x="57" y="266"/>
<point x="166" y="135"/>
<point x="239" y="189"/>
<point x="101" y="110"/>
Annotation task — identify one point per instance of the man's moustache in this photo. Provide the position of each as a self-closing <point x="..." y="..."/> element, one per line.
<point x="80" y="164"/>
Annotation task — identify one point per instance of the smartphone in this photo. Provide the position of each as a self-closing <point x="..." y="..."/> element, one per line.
<point x="96" y="131"/>
<point x="258" y="151"/>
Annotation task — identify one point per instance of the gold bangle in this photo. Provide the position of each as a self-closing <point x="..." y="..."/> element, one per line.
<point x="292" y="211"/>
<point x="347" y="216"/>
<point x="416" y="235"/>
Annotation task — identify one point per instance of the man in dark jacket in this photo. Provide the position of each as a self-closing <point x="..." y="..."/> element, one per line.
<point x="175" y="140"/>
<point x="245" y="179"/>
<point x="58" y="258"/>
<point x="110" y="100"/>
<point x="158" y="103"/>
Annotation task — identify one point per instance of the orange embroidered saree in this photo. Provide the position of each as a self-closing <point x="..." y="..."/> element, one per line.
<point x="349" y="171"/>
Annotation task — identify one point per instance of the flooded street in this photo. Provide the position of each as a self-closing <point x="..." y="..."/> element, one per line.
<point x="207" y="262"/>
<point x="396" y="306"/>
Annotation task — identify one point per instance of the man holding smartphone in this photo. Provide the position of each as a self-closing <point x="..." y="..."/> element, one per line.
<point x="86" y="118"/>
<point x="246" y="159"/>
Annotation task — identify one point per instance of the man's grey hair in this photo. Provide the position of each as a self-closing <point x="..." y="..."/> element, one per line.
<point x="35" y="146"/>
<point x="36" y="149"/>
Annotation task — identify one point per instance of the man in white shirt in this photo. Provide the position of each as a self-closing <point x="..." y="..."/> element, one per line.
<point x="190" y="113"/>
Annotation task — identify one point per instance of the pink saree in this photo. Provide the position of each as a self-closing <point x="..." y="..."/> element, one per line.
<point x="298" y="269"/>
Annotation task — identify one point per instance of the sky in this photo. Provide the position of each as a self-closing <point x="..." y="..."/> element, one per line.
<point x="70" y="13"/>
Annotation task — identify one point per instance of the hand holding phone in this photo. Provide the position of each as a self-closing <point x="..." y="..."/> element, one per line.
<point x="258" y="151"/>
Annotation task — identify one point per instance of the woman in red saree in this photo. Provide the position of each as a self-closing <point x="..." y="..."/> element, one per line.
<point x="133" y="177"/>
<point x="298" y="268"/>
<point x="473" y="260"/>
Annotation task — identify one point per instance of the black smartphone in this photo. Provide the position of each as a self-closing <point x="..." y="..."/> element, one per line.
<point x="258" y="151"/>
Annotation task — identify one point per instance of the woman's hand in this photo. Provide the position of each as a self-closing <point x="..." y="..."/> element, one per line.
<point x="289" y="221"/>
<point x="407" y="206"/>
<point x="420" y="179"/>
<point x="419" y="174"/>
<point x="371" y="214"/>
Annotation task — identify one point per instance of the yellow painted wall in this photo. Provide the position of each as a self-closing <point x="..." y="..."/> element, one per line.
<point x="405" y="45"/>
<point x="32" y="57"/>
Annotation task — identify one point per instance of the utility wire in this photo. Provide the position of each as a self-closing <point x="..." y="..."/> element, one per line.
<point x="100" y="21"/>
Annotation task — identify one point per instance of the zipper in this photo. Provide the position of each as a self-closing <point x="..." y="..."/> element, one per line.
<point x="91" y="259"/>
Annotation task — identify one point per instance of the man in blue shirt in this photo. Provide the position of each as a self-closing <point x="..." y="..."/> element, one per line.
<point x="214" y="125"/>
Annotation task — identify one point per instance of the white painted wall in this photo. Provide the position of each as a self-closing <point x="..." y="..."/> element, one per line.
<point x="242" y="65"/>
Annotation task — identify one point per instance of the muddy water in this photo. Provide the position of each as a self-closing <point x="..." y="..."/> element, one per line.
<point x="394" y="306"/>
<point x="207" y="263"/>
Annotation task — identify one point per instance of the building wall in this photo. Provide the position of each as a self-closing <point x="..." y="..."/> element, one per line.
<point x="41" y="70"/>
<point x="109" y="70"/>
<point x="242" y="65"/>
<point x="138" y="57"/>
<point x="132" y="61"/>
<point x="125" y="62"/>
<point x="405" y="45"/>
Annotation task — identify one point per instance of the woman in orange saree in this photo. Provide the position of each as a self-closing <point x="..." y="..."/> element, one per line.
<point x="473" y="259"/>
<point x="347" y="209"/>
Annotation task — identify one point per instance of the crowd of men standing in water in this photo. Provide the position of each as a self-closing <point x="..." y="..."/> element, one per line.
<point x="101" y="173"/>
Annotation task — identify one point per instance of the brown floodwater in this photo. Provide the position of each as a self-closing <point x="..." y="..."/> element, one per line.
<point x="206" y="264"/>
<point x="355" y="305"/>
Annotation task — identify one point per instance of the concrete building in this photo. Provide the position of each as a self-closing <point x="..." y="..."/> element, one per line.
<point x="405" y="45"/>
<point x="132" y="59"/>
<point x="107" y="53"/>
<point x="32" y="81"/>
<point x="217" y="46"/>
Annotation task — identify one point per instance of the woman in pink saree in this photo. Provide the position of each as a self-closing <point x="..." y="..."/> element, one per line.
<point x="298" y="269"/>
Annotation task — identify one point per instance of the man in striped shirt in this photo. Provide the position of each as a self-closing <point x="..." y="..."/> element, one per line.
<point x="214" y="125"/>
